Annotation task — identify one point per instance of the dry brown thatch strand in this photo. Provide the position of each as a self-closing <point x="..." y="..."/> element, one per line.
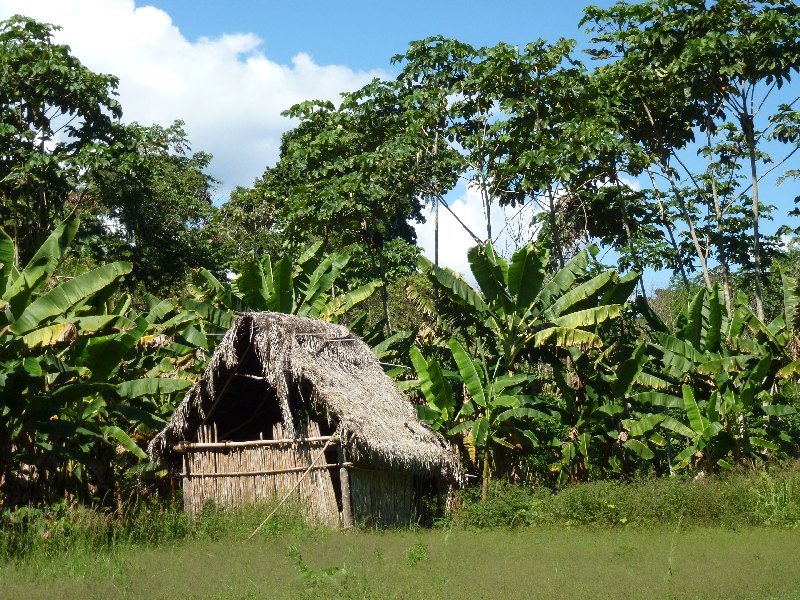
<point x="375" y="422"/>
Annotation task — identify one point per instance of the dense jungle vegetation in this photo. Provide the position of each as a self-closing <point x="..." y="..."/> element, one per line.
<point x="549" y="363"/>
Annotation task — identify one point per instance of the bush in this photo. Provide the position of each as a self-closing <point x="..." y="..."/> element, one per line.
<point x="768" y="498"/>
<point x="60" y="529"/>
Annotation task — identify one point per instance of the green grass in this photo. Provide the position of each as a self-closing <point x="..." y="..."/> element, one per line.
<point x="525" y="563"/>
<point x="737" y="537"/>
<point x="765" y="499"/>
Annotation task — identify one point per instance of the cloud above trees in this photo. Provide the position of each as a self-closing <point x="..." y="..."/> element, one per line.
<point x="226" y="89"/>
<point x="231" y="95"/>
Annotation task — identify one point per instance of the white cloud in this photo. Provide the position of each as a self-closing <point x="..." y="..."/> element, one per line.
<point x="229" y="93"/>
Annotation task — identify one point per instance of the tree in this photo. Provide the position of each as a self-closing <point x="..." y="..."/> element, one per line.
<point x="58" y="120"/>
<point x="434" y="70"/>
<point x="356" y="166"/>
<point x="707" y="68"/>
<point x="152" y="206"/>
<point x="494" y="410"/>
<point x="522" y="312"/>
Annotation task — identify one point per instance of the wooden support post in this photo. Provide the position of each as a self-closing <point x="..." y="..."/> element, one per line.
<point x="344" y="478"/>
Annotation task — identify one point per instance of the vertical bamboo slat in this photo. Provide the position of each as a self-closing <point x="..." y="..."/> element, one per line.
<point x="315" y="493"/>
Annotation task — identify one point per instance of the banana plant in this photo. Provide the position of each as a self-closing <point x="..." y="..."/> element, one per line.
<point x="494" y="410"/>
<point x="721" y="411"/>
<point x="519" y="311"/>
<point x="781" y="336"/>
<point x="303" y="287"/>
<point x="67" y="409"/>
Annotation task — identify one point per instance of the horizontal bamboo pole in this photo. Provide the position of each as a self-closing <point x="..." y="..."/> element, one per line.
<point x="274" y="472"/>
<point x="186" y="446"/>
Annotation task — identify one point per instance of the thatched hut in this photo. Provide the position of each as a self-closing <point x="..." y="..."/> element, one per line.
<point x="293" y="405"/>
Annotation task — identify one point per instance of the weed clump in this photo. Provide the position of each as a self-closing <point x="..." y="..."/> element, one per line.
<point x="41" y="533"/>
<point x="769" y="499"/>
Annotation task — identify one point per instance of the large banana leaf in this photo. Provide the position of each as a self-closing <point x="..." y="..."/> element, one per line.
<point x="587" y="289"/>
<point x="115" y="433"/>
<point x="64" y="296"/>
<point x="282" y="299"/>
<point x="40" y="268"/>
<point x="458" y="289"/>
<point x="778" y="410"/>
<point x="435" y="387"/>
<point x="696" y="420"/>
<point x="644" y="425"/>
<point x="589" y="317"/>
<point x="469" y="374"/>
<point x="622" y="289"/>
<point x="565" y="337"/>
<point x="220" y="318"/>
<point x="791" y="303"/>
<point x="480" y="432"/>
<point x="676" y="426"/>
<point x="692" y="329"/>
<point x="658" y="399"/>
<point x="639" y="448"/>
<point x="491" y="273"/>
<point x="317" y="292"/>
<point x="67" y="331"/>
<point x="254" y="285"/>
<point x="151" y="386"/>
<point x="714" y="333"/>
<point x="790" y="370"/>
<point x="344" y="302"/>
<point x="564" y="279"/>
<point x="6" y="260"/>
<point x="526" y="275"/>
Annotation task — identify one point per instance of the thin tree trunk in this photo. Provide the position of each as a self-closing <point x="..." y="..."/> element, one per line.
<point x="436" y="204"/>
<point x="722" y="256"/>
<point x="554" y="232"/>
<point x="385" y="301"/>
<point x="485" y="480"/>
<point x="747" y="124"/>
<point x="690" y="223"/>
<point x="487" y="201"/>
<point x="684" y="211"/>
<point x="670" y="232"/>
<point x="637" y="264"/>
<point x="436" y="229"/>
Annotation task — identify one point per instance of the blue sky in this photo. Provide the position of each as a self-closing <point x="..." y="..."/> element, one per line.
<point x="365" y="34"/>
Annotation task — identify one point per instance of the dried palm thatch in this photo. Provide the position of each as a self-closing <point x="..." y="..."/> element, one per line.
<point x="375" y="422"/>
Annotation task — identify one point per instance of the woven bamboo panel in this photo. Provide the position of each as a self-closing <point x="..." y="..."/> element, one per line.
<point x="315" y="493"/>
<point x="381" y="498"/>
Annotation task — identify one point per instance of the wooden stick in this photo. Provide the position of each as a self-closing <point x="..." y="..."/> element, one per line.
<point x="273" y="472"/>
<point x="184" y="446"/>
<point x="291" y="491"/>
<point x="344" y="480"/>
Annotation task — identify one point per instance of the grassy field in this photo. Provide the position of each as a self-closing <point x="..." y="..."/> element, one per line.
<point x="524" y="563"/>
<point x="734" y="537"/>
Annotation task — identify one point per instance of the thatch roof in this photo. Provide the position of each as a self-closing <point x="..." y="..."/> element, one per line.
<point x="375" y="421"/>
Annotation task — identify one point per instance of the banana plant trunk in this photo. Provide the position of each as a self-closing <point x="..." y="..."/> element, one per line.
<point x="485" y="478"/>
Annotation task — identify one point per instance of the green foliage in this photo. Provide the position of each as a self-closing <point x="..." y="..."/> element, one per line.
<point x="524" y="316"/>
<point x="713" y="388"/>
<point x="58" y="119"/>
<point x="766" y="499"/>
<point x="154" y="207"/>
<point x="523" y="313"/>
<point x="305" y="286"/>
<point x="83" y="378"/>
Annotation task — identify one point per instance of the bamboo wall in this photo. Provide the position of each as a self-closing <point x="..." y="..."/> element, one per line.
<point x="381" y="498"/>
<point x="260" y="471"/>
